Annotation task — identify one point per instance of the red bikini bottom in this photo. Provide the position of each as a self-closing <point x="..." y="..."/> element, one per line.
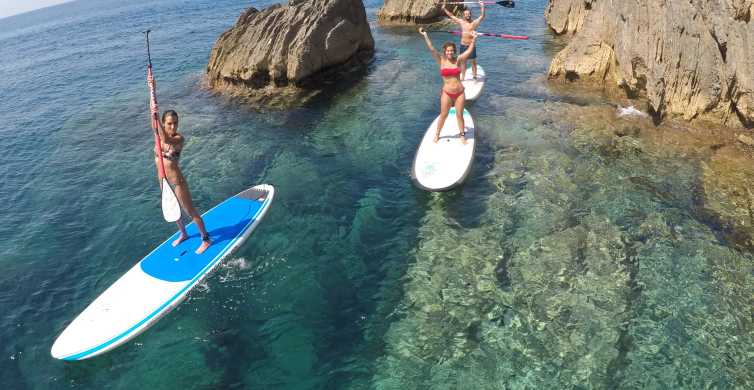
<point x="453" y="96"/>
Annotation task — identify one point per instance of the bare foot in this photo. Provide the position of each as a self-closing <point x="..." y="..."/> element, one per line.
<point x="203" y="247"/>
<point x="463" y="138"/>
<point x="179" y="240"/>
<point x="437" y="138"/>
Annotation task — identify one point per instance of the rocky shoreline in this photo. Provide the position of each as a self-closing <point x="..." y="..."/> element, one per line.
<point x="690" y="61"/>
<point x="687" y="59"/>
<point x="683" y="59"/>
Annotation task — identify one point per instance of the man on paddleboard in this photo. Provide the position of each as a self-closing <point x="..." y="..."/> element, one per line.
<point x="467" y="27"/>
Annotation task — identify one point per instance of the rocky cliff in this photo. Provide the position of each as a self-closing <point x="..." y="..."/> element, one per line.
<point x="567" y="16"/>
<point x="410" y="12"/>
<point x="269" y="56"/>
<point x="692" y="58"/>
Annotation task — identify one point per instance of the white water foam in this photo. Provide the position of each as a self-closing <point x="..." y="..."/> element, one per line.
<point x="630" y="111"/>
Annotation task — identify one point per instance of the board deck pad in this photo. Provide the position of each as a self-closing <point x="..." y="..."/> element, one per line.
<point x="181" y="263"/>
<point x="443" y="165"/>
<point x="473" y="88"/>
<point x="162" y="279"/>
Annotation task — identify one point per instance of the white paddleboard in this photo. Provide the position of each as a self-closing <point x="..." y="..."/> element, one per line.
<point x="162" y="279"/>
<point x="473" y="88"/>
<point x="443" y="165"/>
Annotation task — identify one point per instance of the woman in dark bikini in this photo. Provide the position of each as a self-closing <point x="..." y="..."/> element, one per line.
<point x="172" y="144"/>
<point x="452" y="89"/>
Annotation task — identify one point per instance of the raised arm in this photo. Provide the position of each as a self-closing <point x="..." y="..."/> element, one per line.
<point x="159" y="130"/>
<point x="429" y="45"/>
<point x="465" y="55"/>
<point x="478" y="20"/>
<point x="450" y="14"/>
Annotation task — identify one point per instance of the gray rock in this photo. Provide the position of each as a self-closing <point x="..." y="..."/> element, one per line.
<point x="411" y="12"/>
<point x="688" y="58"/>
<point x="267" y="56"/>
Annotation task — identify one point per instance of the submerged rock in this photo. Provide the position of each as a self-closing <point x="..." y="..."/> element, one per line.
<point x="397" y="12"/>
<point x="745" y="139"/>
<point x="587" y="266"/>
<point x="692" y="59"/>
<point x="728" y="179"/>
<point x="274" y="56"/>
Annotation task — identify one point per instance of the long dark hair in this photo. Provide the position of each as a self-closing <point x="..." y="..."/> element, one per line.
<point x="171" y="113"/>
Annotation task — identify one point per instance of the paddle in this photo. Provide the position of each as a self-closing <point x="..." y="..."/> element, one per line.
<point x="504" y="3"/>
<point x="484" y="34"/>
<point x="171" y="209"/>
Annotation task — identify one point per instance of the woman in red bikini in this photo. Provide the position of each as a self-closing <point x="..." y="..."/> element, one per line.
<point x="452" y="89"/>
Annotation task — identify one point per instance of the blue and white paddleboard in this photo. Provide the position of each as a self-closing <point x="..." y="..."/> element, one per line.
<point x="443" y="165"/>
<point x="162" y="279"/>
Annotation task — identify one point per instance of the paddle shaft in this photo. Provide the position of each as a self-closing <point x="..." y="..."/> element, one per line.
<point x="154" y="110"/>
<point x="484" y="34"/>
<point x="504" y="3"/>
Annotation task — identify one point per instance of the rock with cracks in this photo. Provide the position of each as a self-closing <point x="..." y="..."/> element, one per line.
<point x="278" y="56"/>
<point x="693" y="59"/>
<point x="412" y="12"/>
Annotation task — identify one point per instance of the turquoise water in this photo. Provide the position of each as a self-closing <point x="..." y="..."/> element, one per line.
<point x="571" y="258"/>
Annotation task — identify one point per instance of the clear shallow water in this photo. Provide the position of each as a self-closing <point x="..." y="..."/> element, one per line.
<point x="571" y="257"/>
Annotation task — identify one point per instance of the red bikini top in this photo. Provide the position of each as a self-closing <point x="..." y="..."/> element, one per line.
<point x="449" y="72"/>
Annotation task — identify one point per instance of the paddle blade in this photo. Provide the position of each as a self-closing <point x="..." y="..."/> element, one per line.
<point x="171" y="209"/>
<point x="507" y="3"/>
